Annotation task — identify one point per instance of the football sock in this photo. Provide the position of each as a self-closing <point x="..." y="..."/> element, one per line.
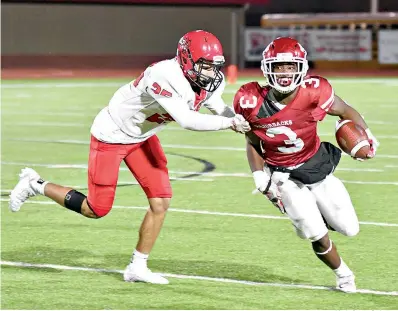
<point x="343" y="270"/>
<point x="39" y="185"/>
<point x="139" y="258"/>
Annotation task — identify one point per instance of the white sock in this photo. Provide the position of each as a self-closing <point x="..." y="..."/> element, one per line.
<point x="343" y="270"/>
<point x="39" y="185"/>
<point x="139" y="258"/>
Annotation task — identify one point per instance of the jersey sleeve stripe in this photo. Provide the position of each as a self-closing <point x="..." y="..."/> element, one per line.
<point x="326" y="105"/>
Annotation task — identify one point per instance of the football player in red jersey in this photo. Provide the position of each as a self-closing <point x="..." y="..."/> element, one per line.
<point x="290" y="164"/>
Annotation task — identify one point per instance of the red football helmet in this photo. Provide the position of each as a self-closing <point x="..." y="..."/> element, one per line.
<point x="200" y="56"/>
<point x="284" y="50"/>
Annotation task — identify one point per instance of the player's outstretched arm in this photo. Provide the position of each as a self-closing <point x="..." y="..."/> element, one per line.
<point x="217" y="106"/>
<point x="164" y="91"/>
<point x="195" y="121"/>
<point x="222" y="110"/>
<point x="345" y="112"/>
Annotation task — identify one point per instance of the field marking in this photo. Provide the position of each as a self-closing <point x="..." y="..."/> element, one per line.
<point x="203" y="212"/>
<point x="176" y="146"/>
<point x="82" y="125"/>
<point x="210" y="174"/>
<point x="167" y="128"/>
<point x="83" y="115"/>
<point x="192" y="277"/>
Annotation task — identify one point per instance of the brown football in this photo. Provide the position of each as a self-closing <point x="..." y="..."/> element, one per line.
<point x="352" y="139"/>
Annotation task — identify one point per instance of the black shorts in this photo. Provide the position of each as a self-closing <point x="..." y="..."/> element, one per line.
<point x="320" y="165"/>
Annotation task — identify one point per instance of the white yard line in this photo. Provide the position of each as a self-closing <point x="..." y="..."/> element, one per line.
<point x="168" y="128"/>
<point x="203" y="212"/>
<point x="210" y="174"/>
<point x="177" y="146"/>
<point x="191" y="277"/>
<point x="82" y="114"/>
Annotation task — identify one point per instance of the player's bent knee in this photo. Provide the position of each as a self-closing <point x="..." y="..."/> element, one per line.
<point x="310" y="231"/>
<point x="96" y="211"/>
<point x="352" y="230"/>
<point x="312" y="236"/>
<point x="159" y="205"/>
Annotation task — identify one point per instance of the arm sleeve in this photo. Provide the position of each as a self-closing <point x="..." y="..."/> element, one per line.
<point x="165" y="93"/>
<point x="324" y="97"/>
<point x="217" y="105"/>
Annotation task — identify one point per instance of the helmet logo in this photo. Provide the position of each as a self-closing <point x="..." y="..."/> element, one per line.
<point x="184" y="42"/>
<point x="283" y="55"/>
<point x="218" y="59"/>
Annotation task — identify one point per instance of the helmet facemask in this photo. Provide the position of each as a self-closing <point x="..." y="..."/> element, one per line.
<point x="288" y="80"/>
<point x="203" y="73"/>
<point x="206" y="74"/>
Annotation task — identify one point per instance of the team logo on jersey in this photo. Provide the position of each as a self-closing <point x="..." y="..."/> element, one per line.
<point x="274" y="124"/>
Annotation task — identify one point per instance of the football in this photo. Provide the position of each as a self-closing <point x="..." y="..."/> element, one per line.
<point x="352" y="139"/>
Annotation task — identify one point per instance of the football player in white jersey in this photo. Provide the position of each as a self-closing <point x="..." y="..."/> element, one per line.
<point x="125" y="130"/>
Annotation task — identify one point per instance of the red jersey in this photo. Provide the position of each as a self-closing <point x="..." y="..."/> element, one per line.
<point x="288" y="136"/>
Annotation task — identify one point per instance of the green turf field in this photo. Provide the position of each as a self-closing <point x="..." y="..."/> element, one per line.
<point x="244" y="253"/>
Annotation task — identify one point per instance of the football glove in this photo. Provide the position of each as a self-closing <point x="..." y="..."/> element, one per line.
<point x="239" y="124"/>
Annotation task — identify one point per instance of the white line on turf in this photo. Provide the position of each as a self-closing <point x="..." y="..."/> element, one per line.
<point x="176" y="146"/>
<point x="202" y="212"/>
<point x="210" y="174"/>
<point x="85" y="115"/>
<point x="168" y="128"/>
<point x="191" y="277"/>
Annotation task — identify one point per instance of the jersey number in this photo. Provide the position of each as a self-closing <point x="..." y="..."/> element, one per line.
<point x="158" y="90"/>
<point x="248" y="102"/>
<point x="311" y="82"/>
<point x="160" y="118"/>
<point x="297" y="143"/>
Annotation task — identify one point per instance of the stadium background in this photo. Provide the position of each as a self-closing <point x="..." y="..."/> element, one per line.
<point x="221" y="246"/>
<point x="126" y="35"/>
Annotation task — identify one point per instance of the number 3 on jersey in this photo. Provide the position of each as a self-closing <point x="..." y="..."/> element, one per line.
<point x="247" y="101"/>
<point x="311" y="82"/>
<point x="297" y="143"/>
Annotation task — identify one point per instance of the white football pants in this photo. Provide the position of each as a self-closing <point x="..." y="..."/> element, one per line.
<point x="306" y="204"/>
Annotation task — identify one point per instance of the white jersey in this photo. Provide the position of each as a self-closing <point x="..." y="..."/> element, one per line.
<point x="161" y="94"/>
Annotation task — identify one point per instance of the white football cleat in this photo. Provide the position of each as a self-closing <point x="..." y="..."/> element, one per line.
<point x="346" y="284"/>
<point x="134" y="273"/>
<point x="23" y="190"/>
